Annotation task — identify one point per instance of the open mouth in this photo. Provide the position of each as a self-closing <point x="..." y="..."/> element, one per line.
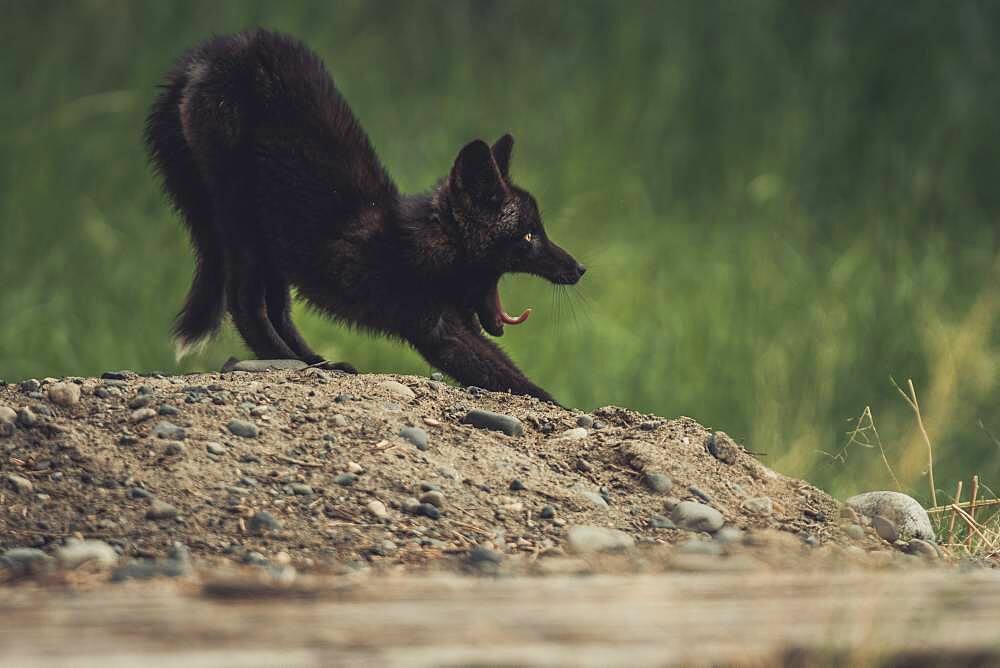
<point x="493" y="317"/>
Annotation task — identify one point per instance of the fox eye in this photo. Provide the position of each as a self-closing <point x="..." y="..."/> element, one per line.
<point x="529" y="237"/>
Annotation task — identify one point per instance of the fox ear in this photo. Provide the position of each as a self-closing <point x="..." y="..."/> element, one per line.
<point x="475" y="171"/>
<point x="501" y="153"/>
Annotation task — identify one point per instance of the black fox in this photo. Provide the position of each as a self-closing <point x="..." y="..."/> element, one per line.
<point x="279" y="186"/>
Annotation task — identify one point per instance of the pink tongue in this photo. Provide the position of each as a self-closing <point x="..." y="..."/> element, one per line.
<point x="509" y="319"/>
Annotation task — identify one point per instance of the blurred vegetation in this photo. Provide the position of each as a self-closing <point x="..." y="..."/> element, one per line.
<point x="782" y="204"/>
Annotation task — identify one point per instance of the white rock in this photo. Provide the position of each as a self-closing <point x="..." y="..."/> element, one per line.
<point x="905" y="512"/>
<point x="585" y="539"/>
<point x="64" y="394"/>
<point x="397" y="389"/>
<point x="78" y="552"/>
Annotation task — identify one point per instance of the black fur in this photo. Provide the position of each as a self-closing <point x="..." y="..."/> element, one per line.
<point x="279" y="186"/>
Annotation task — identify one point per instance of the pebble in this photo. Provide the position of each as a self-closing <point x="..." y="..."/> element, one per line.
<point x="416" y="436"/>
<point x="215" y="448"/>
<point x="903" y="511"/>
<point x="697" y="546"/>
<point x="253" y="558"/>
<point x="722" y="447"/>
<point x="169" y="431"/>
<point x="262" y="366"/>
<point x="658" y="482"/>
<point x="355" y="468"/>
<point x="885" y="528"/>
<point x="26" y="418"/>
<point x="484" y="555"/>
<point x="301" y="489"/>
<point x="494" y="421"/>
<point x="20" y="484"/>
<point x="922" y="548"/>
<point x="339" y="420"/>
<point x="101" y="392"/>
<point x="574" y="434"/>
<point x="583" y="539"/>
<point x="242" y="428"/>
<point x="700" y="494"/>
<point x="236" y="490"/>
<point x="7" y="414"/>
<point x="346" y="479"/>
<point x="759" y="505"/>
<point x="855" y="531"/>
<point x="29" y="385"/>
<point x="378" y="509"/>
<point x="433" y="497"/>
<point x="516" y="485"/>
<point x="64" y="394"/>
<point x="262" y="522"/>
<point x="142" y="414"/>
<point x="147" y="569"/>
<point x="22" y="561"/>
<point x="583" y="466"/>
<point x="428" y="510"/>
<point x="141" y="401"/>
<point x="595" y="498"/>
<point x="78" y="552"/>
<point x="174" y="448"/>
<point x="729" y="536"/>
<point x="585" y="421"/>
<point x="547" y="512"/>
<point x="695" y="516"/>
<point x="398" y="390"/>
<point x="114" y="375"/>
<point x="139" y="493"/>
<point x="410" y="505"/>
<point x="160" y="510"/>
<point x="661" y="522"/>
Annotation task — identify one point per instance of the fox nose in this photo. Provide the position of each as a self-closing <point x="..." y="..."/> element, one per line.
<point x="580" y="269"/>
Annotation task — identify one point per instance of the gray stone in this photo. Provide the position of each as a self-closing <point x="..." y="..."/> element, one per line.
<point x="494" y="421"/>
<point x="661" y="522"/>
<point x="26" y="418"/>
<point x="215" y="448"/>
<point x="720" y="446"/>
<point x="729" y="536"/>
<point x="262" y="366"/>
<point x="903" y="511"/>
<point x="696" y="546"/>
<point x="547" y="512"/>
<point x="167" y="409"/>
<point x="585" y="421"/>
<point x="147" y="569"/>
<point x="115" y="375"/>
<point x="885" y="529"/>
<point x="21" y="485"/>
<point x="397" y="389"/>
<point x="416" y="436"/>
<point x="855" y="531"/>
<point x="173" y="448"/>
<point x="517" y="485"/>
<point x="301" y="489"/>
<point x="236" y="490"/>
<point x="695" y="516"/>
<point x="574" y="434"/>
<point x="339" y="421"/>
<point x="922" y="548"/>
<point x="479" y="555"/>
<point x="759" y="505"/>
<point x="78" y="552"/>
<point x="378" y="509"/>
<point x="160" y="510"/>
<point x="142" y="414"/>
<point x="595" y="499"/>
<point x="139" y="493"/>
<point x="169" y="431"/>
<point x="141" y="401"/>
<point x="8" y="414"/>
<point x="433" y="497"/>
<point x="263" y="522"/>
<point x="7" y="429"/>
<point x="658" y="482"/>
<point x="24" y="561"/>
<point x="346" y="479"/>
<point x="242" y="428"/>
<point x="64" y="394"/>
<point x="428" y="510"/>
<point x="584" y="539"/>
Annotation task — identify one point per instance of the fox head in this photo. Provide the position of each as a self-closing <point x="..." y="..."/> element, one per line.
<point x="501" y="230"/>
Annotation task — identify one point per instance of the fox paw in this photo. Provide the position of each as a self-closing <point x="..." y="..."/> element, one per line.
<point x="320" y="363"/>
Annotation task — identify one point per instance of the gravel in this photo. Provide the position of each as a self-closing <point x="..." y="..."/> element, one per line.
<point x="494" y="421"/>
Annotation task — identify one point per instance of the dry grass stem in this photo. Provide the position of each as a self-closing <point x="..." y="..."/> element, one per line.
<point x="911" y="399"/>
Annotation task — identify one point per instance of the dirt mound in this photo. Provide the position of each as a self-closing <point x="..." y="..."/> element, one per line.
<point x="310" y="467"/>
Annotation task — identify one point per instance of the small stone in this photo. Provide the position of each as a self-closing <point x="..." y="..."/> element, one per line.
<point x="254" y="558"/>
<point x="905" y="512"/>
<point x="263" y="522"/>
<point x="160" y="510"/>
<point x="590" y="539"/>
<point x="102" y="393"/>
<point x="215" y="448"/>
<point x="142" y="414"/>
<point x="169" y="431"/>
<point x="141" y="401"/>
<point x="339" y="420"/>
<point x="661" y="522"/>
<point x="574" y="434"/>
<point x="355" y="468"/>
<point x="484" y="555"/>
<point x="759" y="505"/>
<point x="410" y="506"/>
<point x="516" y="485"/>
<point x="547" y="512"/>
<point x="494" y="421"/>
<point x="138" y="493"/>
<point x="595" y="498"/>
<point x="428" y="510"/>
<point x="847" y="513"/>
<point x="922" y="548"/>
<point x="301" y="489"/>
<point x="585" y="421"/>
<point x="696" y="546"/>
<point x="115" y="375"/>
<point x="26" y="418"/>
<point x="28" y="386"/>
<point x="236" y="490"/>
<point x="398" y="390"/>
<point x="263" y="366"/>
<point x="378" y="509"/>
<point x="64" y="394"/>
<point x="658" y="482"/>
<point x="729" y="536"/>
<point x="24" y="561"/>
<point x="433" y="497"/>
<point x="700" y="494"/>
<point x="583" y="466"/>
<point x="173" y="448"/>
<point x="694" y="516"/>
<point x="416" y="436"/>
<point x="885" y="529"/>
<point x="8" y="415"/>
<point x="242" y="428"/>
<point x="21" y="485"/>
<point x="346" y="479"/>
<point x="78" y="552"/>
<point x="722" y="447"/>
<point x="855" y="531"/>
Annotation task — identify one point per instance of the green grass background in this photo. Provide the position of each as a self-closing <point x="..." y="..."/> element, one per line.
<point x="782" y="204"/>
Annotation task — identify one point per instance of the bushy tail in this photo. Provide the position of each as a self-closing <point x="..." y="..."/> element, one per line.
<point x="174" y="161"/>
